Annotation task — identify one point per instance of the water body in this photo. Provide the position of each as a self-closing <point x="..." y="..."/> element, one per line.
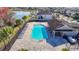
<point x="20" y="14"/>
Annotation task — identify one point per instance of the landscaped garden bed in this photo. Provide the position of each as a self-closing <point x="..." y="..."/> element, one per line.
<point x="10" y="32"/>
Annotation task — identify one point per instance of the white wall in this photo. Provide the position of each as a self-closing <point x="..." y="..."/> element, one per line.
<point x="46" y="17"/>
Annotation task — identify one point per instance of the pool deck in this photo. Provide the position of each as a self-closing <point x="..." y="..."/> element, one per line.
<point x="25" y="41"/>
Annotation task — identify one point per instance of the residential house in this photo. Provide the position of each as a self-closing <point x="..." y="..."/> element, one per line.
<point x="59" y="29"/>
<point x="44" y="16"/>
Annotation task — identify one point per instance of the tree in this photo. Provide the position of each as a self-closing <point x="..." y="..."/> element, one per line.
<point x="4" y="12"/>
<point x="6" y="15"/>
<point x="75" y="16"/>
<point x="11" y="21"/>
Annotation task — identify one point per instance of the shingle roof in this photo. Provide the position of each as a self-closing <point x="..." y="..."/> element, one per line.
<point x="55" y="24"/>
<point x="65" y="27"/>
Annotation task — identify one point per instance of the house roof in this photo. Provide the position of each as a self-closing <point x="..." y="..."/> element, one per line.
<point x="65" y="28"/>
<point x="74" y="25"/>
<point x="55" y="24"/>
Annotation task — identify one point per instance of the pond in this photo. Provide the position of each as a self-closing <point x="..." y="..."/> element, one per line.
<point x="20" y="14"/>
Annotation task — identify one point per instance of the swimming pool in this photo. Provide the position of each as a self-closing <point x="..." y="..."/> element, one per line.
<point x="39" y="32"/>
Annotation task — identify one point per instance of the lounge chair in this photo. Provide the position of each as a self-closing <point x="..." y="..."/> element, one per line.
<point x="70" y="39"/>
<point x="77" y="37"/>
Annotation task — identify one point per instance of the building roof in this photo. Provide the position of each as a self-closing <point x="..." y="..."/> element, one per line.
<point x="75" y="25"/>
<point x="55" y="24"/>
<point x="65" y="27"/>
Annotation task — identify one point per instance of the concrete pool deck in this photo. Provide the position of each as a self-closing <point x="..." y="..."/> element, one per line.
<point x="25" y="41"/>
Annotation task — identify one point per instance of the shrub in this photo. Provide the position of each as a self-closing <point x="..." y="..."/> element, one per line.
<point x="1" y="23"/>
<point x="75" y="16"/>
<point x="25" y="18"/>
<point x="65" y="49"/>
<point x="11" y="23"/>
<point x="5" y="34"/>
<point x="22" y="49"/>
<point x="18" y="22"/>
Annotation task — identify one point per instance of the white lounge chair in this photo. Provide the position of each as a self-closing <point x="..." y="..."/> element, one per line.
<point x="72" y="40"/>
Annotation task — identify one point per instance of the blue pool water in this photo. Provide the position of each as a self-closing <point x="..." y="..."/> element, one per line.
<point x="39" y="32"/>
